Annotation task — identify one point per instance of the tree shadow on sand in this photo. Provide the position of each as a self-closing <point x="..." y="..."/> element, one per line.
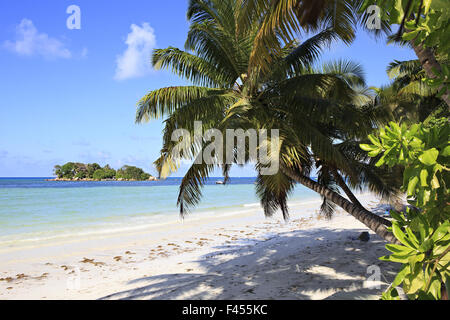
<point x="321" y="262"/>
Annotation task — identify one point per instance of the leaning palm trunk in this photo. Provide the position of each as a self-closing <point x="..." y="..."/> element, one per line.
<point x="429" y="63"/>
<point x="371" y="220"/>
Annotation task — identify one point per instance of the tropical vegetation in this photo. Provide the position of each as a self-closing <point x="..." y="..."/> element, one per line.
<point x="424" y="25"/>
<point x="319" y="111"/>
<point x="423" y="230"/>
<point x="93" y="171"/>
<point x="248" y="70"/>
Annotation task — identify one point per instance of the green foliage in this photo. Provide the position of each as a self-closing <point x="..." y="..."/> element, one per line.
<point x="423" y="150"/>
<point x="104" y="173"/>
<point x="426" y="22"/>
<point x="132" y="173"/>
<point x="91" y="168"/>
<point x="442" y="79"/>
<point x="68" y="170"/>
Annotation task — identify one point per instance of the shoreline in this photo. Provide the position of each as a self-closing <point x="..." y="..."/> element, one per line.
<point x="97" y="180"/>
<point x="109" y="266"/>
<point x="147" y="221"/>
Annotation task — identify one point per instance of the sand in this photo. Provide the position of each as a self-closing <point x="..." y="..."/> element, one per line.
<point x="241" y="255"/>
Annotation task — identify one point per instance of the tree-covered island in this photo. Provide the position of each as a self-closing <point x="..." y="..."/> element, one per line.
<point x="75" y="171"/>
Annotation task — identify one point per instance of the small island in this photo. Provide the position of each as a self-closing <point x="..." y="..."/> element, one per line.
<point x="75" y="171"/>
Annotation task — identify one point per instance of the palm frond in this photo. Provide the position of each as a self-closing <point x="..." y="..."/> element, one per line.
<point x="191" y="67"/>
<point x="273" y="192"/>
<point x="164" y="101"/>
<point x="352" y="73"/>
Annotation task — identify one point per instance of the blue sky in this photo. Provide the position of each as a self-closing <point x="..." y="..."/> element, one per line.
<point x="70" y="95"/>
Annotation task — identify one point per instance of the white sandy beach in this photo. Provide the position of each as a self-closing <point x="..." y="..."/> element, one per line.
<point x="237" y="256"/>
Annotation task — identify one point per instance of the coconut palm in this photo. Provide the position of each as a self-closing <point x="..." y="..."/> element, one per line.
<point x="313" y="109"/>
<point x="286" y="18"/>
<point x="408" y="97"/>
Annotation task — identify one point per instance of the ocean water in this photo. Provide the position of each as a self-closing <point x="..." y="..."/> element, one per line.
<point x="32" y="209"/>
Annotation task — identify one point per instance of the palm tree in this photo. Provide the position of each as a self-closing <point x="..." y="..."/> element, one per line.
<point x="286" y="18"/>
<point x="408" y="97"/>
<point x="305" y="104"/>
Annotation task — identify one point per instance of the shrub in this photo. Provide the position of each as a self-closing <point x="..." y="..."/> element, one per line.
<point x="424" y="229"/>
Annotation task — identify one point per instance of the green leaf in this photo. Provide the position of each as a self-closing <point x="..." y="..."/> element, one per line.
<point x="374" y="140"/>
<point x="397" y="216"/>
<point x="396" y="248"/>
<point x="435" y="182"/>
<point x="398" y="233"/>
<point x="429" y="157"/>
<point x="416" y="143"/>
<point x="426" y="245"/>
<point x="423" y="177"/>
<point x="435" y="287"/>
<point x="396" y="258"/>
<point x="445" y="152"/>
<point x="426" y="5"/>
<point x="374" y="153"/>
<point x="400" y="276"/>
<point x="381" y="161"/>
<point x="396" y="14"/>
<point x="412" y="236"/>
<point x="441" y="231"/>
<point x="368" y="147"/>
<point x="415" y="279"/>
<point x="410" y="35"/>
<point x="412" y="186"/>
<point x="391" y="294"/>
<point x="413" y="259"/>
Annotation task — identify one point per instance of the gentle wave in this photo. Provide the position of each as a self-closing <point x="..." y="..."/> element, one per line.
<point x="32" y="213"/>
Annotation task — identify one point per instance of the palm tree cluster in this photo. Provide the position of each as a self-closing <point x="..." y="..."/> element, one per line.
<point x="408" y="98"/>
<point x="322" y="112"/>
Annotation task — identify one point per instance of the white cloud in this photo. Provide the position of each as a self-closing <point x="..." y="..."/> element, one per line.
<point x="135" y="61"/>
<point x="30" y="42"/>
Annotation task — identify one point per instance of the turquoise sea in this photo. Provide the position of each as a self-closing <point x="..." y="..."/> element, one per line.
<point x="33" y="209"/>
